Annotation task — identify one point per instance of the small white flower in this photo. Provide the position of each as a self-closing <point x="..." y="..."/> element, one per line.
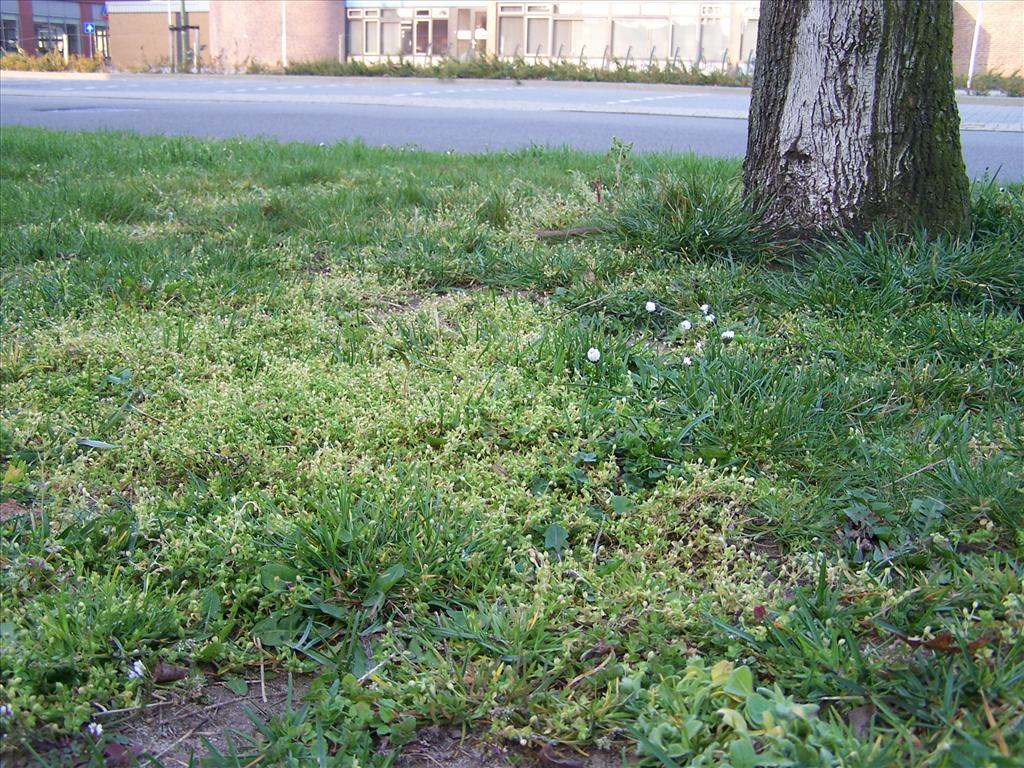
<point x="650" y="306"/>
<point x="95" y="730"/>
<point x="6" y="711"/>
<point x="687" y="361"/>
<point x="728" y="335"/>
<point x="137" y="672"/>
<point x="705" y="308"/>
<point x="700" y="346"/>
<point x="322" y="144"/>
<point x="710" y="318"/>
<point x="593" y="354"/>
<point x="685" y="325"/>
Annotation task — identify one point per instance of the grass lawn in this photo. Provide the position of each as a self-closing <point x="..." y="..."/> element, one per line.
<point x="332" y="410"/>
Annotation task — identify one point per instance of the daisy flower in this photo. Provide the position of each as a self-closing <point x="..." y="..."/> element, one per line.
<point x="650" y="306"/>
<point x="593" y="354"/>
<point x="685" y="325"/>
<point x="728" y="335"/>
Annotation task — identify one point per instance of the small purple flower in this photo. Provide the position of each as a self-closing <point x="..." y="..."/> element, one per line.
<point x="138" y="671"/>
<point x="95" y="730"/>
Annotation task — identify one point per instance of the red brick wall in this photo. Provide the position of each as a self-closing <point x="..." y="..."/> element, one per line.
<point x="1000" y="41"/>
<point x="247" y="32"/>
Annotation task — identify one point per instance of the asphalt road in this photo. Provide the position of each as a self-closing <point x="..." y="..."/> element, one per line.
<point x="465" y="116"/>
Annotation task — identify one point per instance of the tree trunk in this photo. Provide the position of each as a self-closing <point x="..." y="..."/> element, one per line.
<point x="853" y="118"/>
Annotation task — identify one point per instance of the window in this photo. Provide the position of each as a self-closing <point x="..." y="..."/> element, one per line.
<point x="561" y="45"/>
<point x="50" y="37"/>
<point x="9" y="35"/>
<point x="355" y="37"/>
<point x="714" y="41"/>
<point x="101" y="42"/>
<point x="391" y="38"/>
<point x="748" y="42"/>
<point x="684" y="42"/>
<point x="422" y="36"/>
<point x="537" y="36"/>
<point x="439" y="45"/>
<point x="639" y="38"/>
<point x="372" y="36"/>
<point x="510" y="36"/>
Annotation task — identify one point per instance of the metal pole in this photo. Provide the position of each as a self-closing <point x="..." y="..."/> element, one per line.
<point x="170" y="37"/>
<point x="974" y="43"/>
<point x="284" y="34"/>
<point x="183" y="37"/>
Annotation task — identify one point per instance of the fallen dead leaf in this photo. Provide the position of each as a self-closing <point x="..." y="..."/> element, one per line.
<point x="549" y="756"/>
<point x="944" y="642"/>
<point x="860" y="719"/>
<point x="11" y="508"/>
<point x="168" y="673"/>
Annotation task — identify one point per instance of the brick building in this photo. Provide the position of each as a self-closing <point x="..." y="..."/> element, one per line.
<point x="269" y="32"/>
<point x="71" y="27"/>
<point x="232" y="35"/>
<point x="1000" y="46"/>
<point x="148" y="35"/>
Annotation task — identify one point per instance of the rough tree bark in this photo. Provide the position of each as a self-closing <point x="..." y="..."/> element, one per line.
<point x="853" y="118"/>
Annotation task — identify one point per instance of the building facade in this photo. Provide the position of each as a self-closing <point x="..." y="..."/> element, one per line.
<point x="709" y="35"/>
<point x="265" y="32"/>
<point x="993" y="30"/>
<point x="146" y="35"/>
<point x="233" y="35"/>
<point x="70" y="27"/>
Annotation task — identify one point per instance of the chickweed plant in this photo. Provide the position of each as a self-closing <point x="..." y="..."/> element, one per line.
<point x="664" y="487"/>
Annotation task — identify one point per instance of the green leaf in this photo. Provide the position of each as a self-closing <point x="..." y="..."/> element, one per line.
<point x="556" y="538"/>
<point x="649" y="747"/>
<point x="237" y="686"/>
<point x="277" y="629"/>
<point x="621" y="505"/>
<point x="733" y="719"/>
<point x="539" y="485"/>
<point x="755" y="707"/>
<point x="742" y="754"/>
<point x="332" y="610"/>
<point x="210" y="605"/>
<point x="610" y="567"/>
<point x="390" y="577"/>
<point x="98" y="445"/>
<point x="740" y="683"/>
<point x="382" y="584"/>
<point x="277" y="576"/>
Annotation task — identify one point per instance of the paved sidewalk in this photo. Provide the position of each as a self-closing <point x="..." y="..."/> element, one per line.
<point x="988" y="114"/>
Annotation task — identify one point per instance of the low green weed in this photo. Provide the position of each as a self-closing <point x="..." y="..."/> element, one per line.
<point x="661" y="488"/>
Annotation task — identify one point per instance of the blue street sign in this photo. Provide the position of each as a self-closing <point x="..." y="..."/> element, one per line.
<point x="88" y="27"/>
